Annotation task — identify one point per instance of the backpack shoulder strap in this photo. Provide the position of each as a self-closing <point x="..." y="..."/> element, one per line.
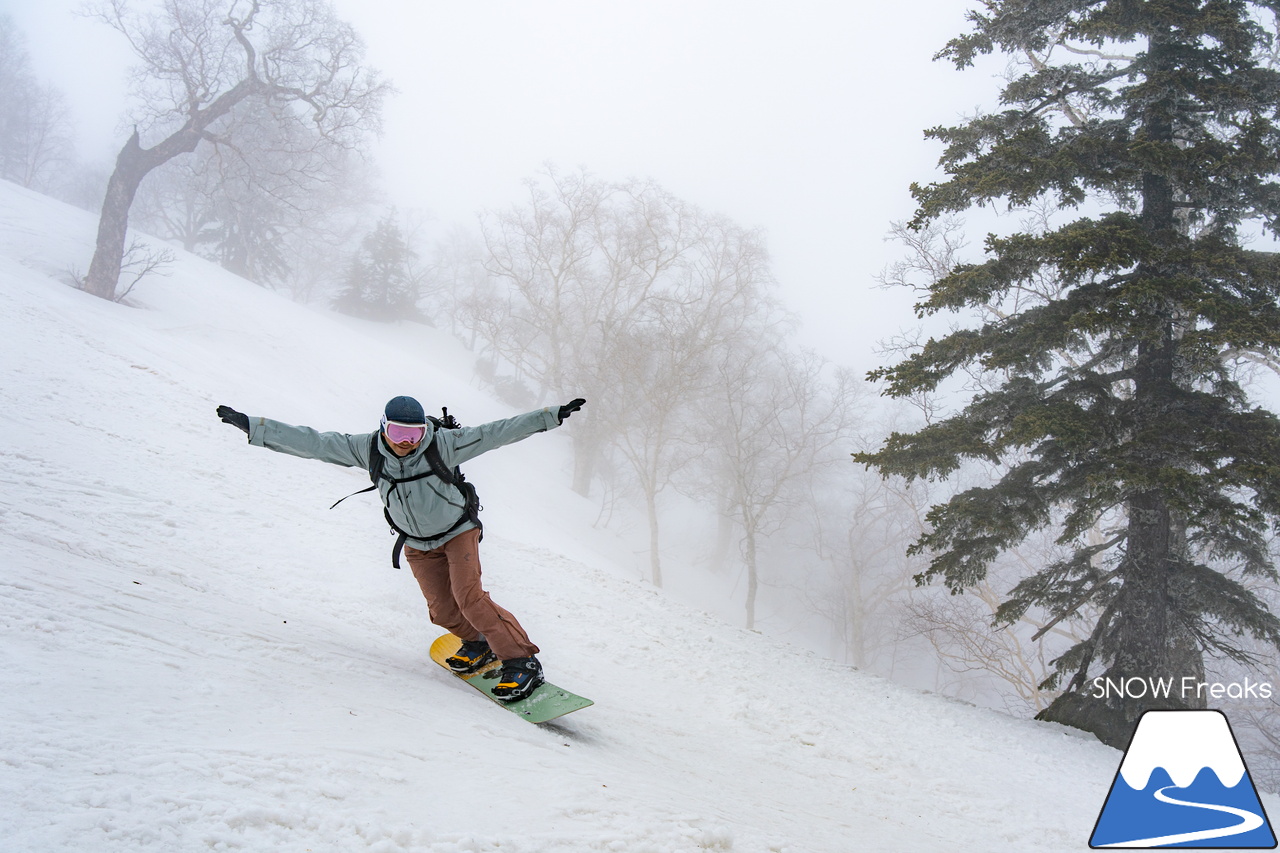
<point x="375" y="459"/>
<point x="437" y="464"/>
<point x="471" y="512"/>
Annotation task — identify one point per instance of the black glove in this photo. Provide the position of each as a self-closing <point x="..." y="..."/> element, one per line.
<point x="570" y="407"/>
<point x="237" y="420"/>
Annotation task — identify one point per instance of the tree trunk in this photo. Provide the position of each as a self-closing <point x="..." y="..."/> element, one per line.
<point x="132" y="165"/>
<point x="113" y="225"/>
<point x="855" y="607"/>
<point x="586" y="452"/>
<point x="724" y="537"/>
<point x="753" y="576"/>
<point x="1146" y="639"/>
<point x="655" y="560"/>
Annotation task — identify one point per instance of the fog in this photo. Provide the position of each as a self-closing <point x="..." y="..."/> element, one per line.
<point x="624" y="201"/>
<point x="777" y="139"/>
<point x="804" y="120"/>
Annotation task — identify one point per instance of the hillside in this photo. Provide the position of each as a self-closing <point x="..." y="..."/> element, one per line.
<point x="199" y="655"/>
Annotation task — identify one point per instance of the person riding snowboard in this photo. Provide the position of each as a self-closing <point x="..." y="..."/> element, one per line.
<point x="442" y="546"/>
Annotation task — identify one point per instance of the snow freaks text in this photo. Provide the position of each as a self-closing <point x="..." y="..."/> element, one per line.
<point x="1187" y="687"/>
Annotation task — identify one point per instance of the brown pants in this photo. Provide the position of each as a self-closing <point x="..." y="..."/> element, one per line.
<point x="450" y="581"/>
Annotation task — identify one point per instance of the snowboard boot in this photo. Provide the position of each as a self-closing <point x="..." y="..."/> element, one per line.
<point x="520" y="677"/>
<point x="473" y="655"/>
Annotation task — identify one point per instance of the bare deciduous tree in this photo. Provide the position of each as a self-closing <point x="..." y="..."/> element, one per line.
<point x="265" y="204"/>
<point x="629" y="296"/>
<point x="204" y="61"/>
<point x="777" y="422"/>
<point x="716" y="305"/>
<point x="582" y="264"/>
<point x="859" y="525"/>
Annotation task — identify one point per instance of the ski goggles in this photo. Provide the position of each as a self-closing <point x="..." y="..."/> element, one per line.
<point x="398" y="433"/>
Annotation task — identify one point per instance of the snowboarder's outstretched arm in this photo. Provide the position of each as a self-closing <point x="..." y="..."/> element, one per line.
<point x="469" y="442"/>
<point x="335" y="447"/>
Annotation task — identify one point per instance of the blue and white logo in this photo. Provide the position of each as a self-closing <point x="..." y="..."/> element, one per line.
<point x="1183" y="783"/>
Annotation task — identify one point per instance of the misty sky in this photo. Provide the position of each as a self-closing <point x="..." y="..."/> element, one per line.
<point x="802" y="118"/>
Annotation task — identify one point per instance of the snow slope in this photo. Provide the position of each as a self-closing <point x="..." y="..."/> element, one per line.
<point x="197" y="654"/>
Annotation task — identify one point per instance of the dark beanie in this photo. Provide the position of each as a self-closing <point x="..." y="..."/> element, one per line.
<point x="405" y="410"/>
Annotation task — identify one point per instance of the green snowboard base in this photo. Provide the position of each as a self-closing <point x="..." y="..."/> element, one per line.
<point x="546" y="703"/>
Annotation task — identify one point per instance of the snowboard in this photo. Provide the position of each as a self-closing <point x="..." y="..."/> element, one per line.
<point x="542" y="705"/>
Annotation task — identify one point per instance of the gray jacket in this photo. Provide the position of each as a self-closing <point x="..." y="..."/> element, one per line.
<point x="424" y="508"/>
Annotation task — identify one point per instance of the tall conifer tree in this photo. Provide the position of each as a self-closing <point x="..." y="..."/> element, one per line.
<point x="1116" y="400"/>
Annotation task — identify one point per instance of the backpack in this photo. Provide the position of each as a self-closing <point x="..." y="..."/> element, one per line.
<point x="472" y="507"/>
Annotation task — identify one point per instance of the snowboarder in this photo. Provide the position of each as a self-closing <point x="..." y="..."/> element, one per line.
<point x="442" y="546"/>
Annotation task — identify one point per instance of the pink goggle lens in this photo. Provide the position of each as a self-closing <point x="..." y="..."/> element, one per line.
<point x="400" y="433"/>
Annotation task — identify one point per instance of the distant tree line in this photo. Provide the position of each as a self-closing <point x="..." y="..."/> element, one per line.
<point x="665" y="317"/>
<point x="37" y="148"/>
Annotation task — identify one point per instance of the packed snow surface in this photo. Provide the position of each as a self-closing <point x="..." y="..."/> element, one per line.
<point x="198" y="654"/>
